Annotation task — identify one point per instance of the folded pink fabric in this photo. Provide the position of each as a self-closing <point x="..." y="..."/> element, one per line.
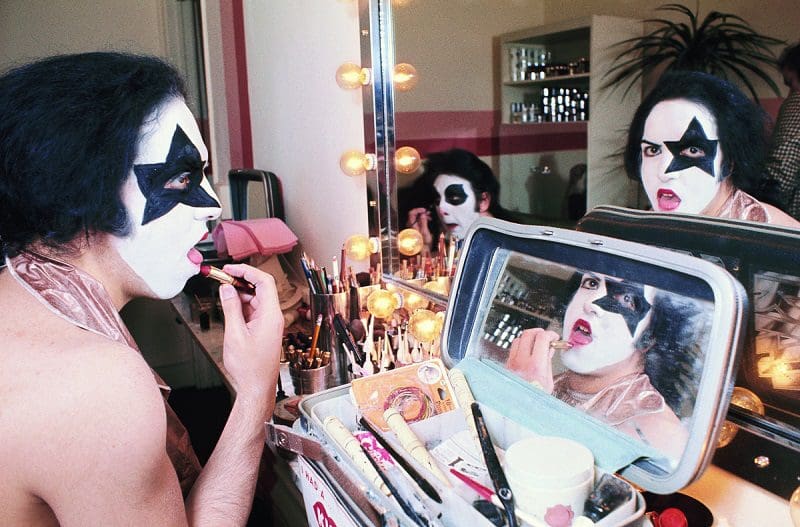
<point x="240" y="239"/>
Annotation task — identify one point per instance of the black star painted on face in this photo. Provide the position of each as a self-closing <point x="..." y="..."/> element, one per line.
<point x="694" y="149"/>
<point x="626" y="299"/>
<point x="176" y="180"/>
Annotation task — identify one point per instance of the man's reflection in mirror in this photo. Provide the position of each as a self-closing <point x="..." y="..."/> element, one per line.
<point x="457" y="189"/>
<point x="698" y="146"/>
<point x="777" y="324"/>
<point x="630" y="360"/>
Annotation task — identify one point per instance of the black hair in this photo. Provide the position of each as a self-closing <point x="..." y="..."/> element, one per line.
<point x="673" y="358"/>
<point x="69" y="130"/>
<point x="790" y="59"/>
<point x="741" y="127"/>
<point x="465" y="164"/>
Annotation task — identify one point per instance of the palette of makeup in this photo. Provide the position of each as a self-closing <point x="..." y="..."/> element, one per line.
<point x="584" y="369"/>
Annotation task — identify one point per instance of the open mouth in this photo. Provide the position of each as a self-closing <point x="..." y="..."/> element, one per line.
<point x="581" y="333"/>
<point x="667" y="199"/>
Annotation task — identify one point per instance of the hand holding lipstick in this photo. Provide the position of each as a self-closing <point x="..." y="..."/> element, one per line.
<point x="531" y="356"/>
<point x="253" y="335"/>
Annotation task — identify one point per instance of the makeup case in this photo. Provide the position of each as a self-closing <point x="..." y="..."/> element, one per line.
<point x="512" y="277"/>
<point x="766" y="260"/>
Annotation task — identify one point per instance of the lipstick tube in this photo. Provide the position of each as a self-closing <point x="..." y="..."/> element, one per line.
<point x="221" y="276"/>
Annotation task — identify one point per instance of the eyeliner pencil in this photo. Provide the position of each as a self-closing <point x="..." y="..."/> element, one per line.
<point x="393" y="492"/>
<point x="426" y="487"/>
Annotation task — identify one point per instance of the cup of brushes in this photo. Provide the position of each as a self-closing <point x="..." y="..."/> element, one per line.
<point x="310" y="370"/>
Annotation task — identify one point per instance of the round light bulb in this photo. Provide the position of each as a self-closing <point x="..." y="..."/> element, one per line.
<point x="355" y="163"/>
<point x="409" y="242"/>
<point x="435" y="286"/>
<point x="407" y="160"/>
<point x="351" y="76"/>
<point x="424" y="325"/>
<point x="357" y="247"/>
<point x="743" y="398"/>
<point x="382" y="303"/>
<point x="413" y="301"/>
<point x="404" y="77"/>
<point x="794" y="507"/>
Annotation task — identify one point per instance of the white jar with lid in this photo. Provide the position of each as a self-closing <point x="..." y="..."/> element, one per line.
<point x="549" y="475"/>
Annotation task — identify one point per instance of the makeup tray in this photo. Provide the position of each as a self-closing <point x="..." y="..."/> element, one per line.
<point x="512" y="277"/>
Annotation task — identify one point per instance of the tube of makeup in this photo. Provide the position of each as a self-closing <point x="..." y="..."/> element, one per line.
<point x="221" y="276"/>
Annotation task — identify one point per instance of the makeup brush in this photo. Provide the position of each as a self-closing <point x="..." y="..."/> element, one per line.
<point x="221" y="276"/>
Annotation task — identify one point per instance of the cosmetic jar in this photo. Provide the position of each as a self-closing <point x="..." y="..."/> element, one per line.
<point x="550" y="475"/>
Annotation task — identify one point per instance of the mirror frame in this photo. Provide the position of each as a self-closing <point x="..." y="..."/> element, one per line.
<point x="377" y="53"/>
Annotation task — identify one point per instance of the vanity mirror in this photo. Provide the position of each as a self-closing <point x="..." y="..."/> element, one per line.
<point x="470" y="77"/>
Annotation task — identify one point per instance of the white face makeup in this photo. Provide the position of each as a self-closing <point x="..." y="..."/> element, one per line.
<point x="457" y="205"/>
<point x="681" y="160"/>
<point x="603" y="321"/>
<point x="168" y="201"/>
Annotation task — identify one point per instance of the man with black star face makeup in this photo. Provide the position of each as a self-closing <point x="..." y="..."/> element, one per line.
<point x="607" y="325"/>
<point x="697" y="144"/>
<point x="102" y="199"/>
<point x="463" y="188"/>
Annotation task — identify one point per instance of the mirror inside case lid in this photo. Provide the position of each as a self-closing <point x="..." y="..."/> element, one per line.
<point x="625" y="348"/>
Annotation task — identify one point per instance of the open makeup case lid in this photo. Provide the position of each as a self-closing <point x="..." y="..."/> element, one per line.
<point x="513" y="277"/>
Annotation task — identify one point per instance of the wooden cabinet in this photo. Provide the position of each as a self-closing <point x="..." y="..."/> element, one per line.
<point x="555" y="114"/>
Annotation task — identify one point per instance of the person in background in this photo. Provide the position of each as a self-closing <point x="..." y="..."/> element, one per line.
<point x="464" y="188"/>
<point x="102" y="199"/>
<point x="697" y="144"/>
<point x="783" y="160"/>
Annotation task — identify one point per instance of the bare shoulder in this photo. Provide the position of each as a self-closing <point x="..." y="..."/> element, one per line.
<point x="79" y="412"/>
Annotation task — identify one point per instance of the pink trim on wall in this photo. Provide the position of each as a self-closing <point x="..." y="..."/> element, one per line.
<point x="480" y="133"/>
<point x="237" y="98"/>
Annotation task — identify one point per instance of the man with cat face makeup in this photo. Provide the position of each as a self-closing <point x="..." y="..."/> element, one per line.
<point x="697" y="144"/>
<point x="102" y="199"/>
<point x="608" y="325"/>
<point x="463" y="189"/>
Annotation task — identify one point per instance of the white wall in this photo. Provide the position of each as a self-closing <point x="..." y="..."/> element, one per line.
<point x="31" y="29"/>
<point x="301" y="120"/>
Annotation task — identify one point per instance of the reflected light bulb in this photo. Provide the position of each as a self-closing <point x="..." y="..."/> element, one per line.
<point x="794" y="507"/>
<point x="409" y="242"/>
<point x="351" y="76"/>
<point x="424" y="325"/>
<point x="743" y="398"/>
<point x="404" y="77"/>
<point x="355" y="163"/>
<point x="382" y="303"/>
<point x="413" y="301"/>
<point x="407" y="159"/>
<point x="436" y="286"/>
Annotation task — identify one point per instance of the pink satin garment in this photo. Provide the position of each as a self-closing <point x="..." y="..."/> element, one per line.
<point x="81" y="300"/>
<point x="742" y="206"/>
<point x="628" y="397"/>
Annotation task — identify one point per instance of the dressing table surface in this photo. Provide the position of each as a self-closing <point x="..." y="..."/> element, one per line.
<point x="734" y="502"/>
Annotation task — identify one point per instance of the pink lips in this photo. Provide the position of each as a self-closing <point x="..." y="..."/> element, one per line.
<point x="581" y="333"/>
<point x="195" y="256"/>
<point x="667" y="199"/>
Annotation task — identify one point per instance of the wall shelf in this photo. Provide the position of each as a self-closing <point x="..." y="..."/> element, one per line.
<point x="592" y="138"/>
